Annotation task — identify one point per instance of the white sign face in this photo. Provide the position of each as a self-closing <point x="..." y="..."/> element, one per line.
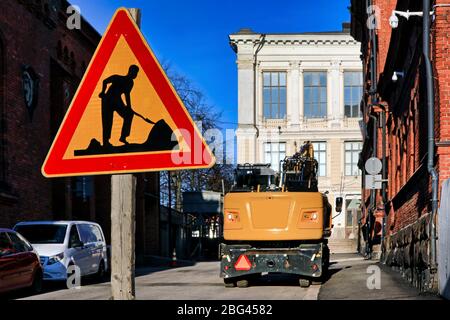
<point x="373" y="166"/>
<point x="373" y="182"/>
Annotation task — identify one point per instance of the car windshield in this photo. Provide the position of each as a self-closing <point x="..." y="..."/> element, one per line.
<point x="43" y="233"/>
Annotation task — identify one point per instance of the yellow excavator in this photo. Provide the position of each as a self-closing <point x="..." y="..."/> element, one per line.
<point x="276" y="222"/>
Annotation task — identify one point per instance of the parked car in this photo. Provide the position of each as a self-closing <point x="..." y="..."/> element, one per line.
<point x="19" y="263"/>
<point x="62" y="244"/>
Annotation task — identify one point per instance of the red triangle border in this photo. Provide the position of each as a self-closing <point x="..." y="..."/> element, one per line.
<point x="55" y="166"/>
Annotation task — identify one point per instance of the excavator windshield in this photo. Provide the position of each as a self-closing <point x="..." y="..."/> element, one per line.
<point x="298" y="174"/>
<point x="258" y="177"/>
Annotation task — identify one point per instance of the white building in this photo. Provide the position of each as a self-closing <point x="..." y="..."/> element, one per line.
<point x="298" y="87"/>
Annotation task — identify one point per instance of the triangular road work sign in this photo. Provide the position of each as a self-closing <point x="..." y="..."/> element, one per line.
<point x="125" y="116"/>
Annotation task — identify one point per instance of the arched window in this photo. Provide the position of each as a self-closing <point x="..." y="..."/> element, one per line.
<point x="2" y="115"/>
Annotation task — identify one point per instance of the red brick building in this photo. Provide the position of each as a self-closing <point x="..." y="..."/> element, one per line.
<point x="41" y="64"/>
<point x="396" y="113"/>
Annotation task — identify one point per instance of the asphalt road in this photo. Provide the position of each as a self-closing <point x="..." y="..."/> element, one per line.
<point x="198" y="282"/>
<point x="348" y="278"/>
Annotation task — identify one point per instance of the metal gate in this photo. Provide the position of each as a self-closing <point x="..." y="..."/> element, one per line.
<point x="444" y="241"/>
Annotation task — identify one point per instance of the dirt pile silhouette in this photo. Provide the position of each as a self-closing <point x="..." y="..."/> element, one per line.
<point x="159" y="139"/>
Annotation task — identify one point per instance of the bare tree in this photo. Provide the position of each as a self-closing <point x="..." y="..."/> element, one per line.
<point x="202" y="179"/>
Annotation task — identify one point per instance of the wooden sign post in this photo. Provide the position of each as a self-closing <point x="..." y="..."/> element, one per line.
<point x="123" y="228"/>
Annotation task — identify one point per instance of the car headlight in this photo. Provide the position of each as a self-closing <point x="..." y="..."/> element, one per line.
<point x="55" y="259"/>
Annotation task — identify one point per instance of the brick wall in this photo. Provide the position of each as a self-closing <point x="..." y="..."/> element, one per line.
<point x="25" y="141"/>
<point x="409" y="186"/>
<point x="406" y="136"/>
<point x="32" y="33"/>
<point x="384" y="32"/>
<point x="29" y="34"/>
<point x="441" y="56"/>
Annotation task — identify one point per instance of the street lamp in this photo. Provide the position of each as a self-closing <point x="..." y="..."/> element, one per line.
<point x="393" y="20"/>
<point x="396" y="75"/>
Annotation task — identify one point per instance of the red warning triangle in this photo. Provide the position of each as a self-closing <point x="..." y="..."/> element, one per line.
<point x="243" y="263"/>
<point x="125" y="116"/>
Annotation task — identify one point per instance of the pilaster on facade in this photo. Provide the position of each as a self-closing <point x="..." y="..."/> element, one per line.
<point x="334" y="94"/>
<point x="246" y="144"/>
<point x="293" y="92"/>
<point x="245" y="92"/>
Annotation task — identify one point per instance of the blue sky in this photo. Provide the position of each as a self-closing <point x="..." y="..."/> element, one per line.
<point x="193" y="35"/>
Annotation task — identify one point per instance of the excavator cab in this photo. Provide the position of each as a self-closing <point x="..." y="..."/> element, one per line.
<point x="254" y="178"/>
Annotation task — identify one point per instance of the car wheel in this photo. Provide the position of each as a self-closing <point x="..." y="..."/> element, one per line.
<point x="101" y="273"/>
<point x="36" y="287"/>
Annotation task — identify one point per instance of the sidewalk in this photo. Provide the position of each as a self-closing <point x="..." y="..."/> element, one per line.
<point x="348" y="281"/>
<point x="161" y="262"/>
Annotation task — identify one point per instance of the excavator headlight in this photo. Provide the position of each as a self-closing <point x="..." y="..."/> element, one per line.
<point x="311" y="216"/>
<point x="232" y="216"/>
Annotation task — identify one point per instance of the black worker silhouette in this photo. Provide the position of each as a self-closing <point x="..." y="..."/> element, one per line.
<point x="112" y="101"/>
<point x="160" y="137"/>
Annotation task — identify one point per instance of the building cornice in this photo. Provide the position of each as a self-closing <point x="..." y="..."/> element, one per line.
<point x="290" y="40"/>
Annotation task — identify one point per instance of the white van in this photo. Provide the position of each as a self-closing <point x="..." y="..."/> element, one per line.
<point x="61" y="244"/>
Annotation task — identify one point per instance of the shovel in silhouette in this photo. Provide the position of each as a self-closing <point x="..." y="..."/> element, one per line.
<point x="143" y="118"/>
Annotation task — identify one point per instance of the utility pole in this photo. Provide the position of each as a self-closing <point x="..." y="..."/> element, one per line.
<point x="123" y="227"/>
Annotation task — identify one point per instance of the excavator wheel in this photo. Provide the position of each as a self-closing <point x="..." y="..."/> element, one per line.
<point x="242" y="283"/>
<point x="304" y="283"/>
<point x="229" y="283"/>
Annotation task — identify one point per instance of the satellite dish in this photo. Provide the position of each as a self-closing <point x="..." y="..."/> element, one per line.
<point x="373" y="166"/>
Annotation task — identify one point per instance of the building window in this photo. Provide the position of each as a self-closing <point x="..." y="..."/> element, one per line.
<point x="352" y="150"/>
<point x="315" y="94"/>
<point x="320" y="153"/>
<point x="353" y="87"/>
<point x="274" y="95"/>
<point x="274" y="153"/>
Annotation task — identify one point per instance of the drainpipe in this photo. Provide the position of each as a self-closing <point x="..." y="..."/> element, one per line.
<point x="373" y="193"/>
<point x="384" y="172"/>
<point x="262" y="41"/>
<point x="430" y="106"/>
<point x="373" y="90"/>
<point x="382" y="125"/>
